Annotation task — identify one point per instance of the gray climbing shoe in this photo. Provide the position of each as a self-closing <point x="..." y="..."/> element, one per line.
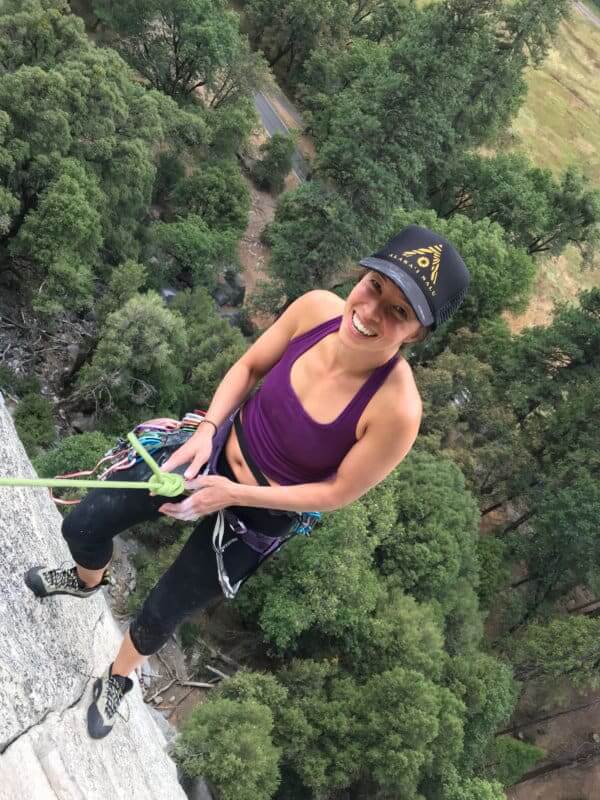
<point x="108" y="692"/>
<point x="44" y="582"/>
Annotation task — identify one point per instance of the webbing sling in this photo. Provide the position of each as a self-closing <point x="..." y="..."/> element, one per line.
<point x="262" y="481"/>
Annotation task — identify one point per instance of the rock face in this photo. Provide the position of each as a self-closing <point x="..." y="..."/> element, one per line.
<point x="50" y="652"/>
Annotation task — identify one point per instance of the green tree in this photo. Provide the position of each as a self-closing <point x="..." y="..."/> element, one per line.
<point x="314" y="232"/>
<point x="190" y="251"/>
<point x="537" y="212"/>
<point x="335" y="732"/>
<point x="487" y="688"/>
<point x="126" y="280"/>
<point x="399" y="632"/>
<point x="564" y="646"/>
<point x="230" y="125"/>
<point x="77" y="139"/>
<point x="213" y="347"/>
<point x="270" y="172"/>
<point x="501" y="274"/>
<point x="42" y="33"/>
<point x="229" y="743"/>
<point x="182" y="45"/>
<point x="217" y="193"/>
<point x="432" y="541"/>
<point x="136" y="368"/>
<point x="467" y="420"/>
<point x="323" y="584"/>
<point x="459" y="65"/>
<point x="287" y="32"/>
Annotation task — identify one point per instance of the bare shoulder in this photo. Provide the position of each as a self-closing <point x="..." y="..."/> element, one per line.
<point x="398" y="403"/>
<point x="315" y="307"/>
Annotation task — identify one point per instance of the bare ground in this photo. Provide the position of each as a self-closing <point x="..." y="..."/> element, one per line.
<point x="566" y="737"/>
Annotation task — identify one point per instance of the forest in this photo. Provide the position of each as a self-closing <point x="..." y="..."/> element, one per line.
<point x="398" y="641"/>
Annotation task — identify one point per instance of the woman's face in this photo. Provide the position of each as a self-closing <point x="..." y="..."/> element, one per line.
<point x="378" y="315"/>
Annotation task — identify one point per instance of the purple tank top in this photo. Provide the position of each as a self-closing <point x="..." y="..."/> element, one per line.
<point x="287" y="444"/>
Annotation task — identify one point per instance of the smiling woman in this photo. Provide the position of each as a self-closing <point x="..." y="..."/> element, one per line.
<point x="337" y="411"/>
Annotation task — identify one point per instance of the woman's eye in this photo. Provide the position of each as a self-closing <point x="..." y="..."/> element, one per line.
<point x="400" y="311"/>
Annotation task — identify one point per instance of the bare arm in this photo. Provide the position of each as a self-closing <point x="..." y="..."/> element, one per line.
<point x="258" y="359"/>
<point x="238" y="382"/>
<point x="382" y="447"/>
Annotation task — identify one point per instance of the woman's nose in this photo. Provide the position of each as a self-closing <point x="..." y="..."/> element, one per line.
<point x="371" y="313"/>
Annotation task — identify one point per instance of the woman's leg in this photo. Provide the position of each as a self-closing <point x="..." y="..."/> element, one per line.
<point x="90" y="528"/>
<point x="190" y="583"/>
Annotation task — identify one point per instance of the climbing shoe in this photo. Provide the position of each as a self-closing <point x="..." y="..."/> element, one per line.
<point x="44" y="582"/>
<point x="108" y="692"/>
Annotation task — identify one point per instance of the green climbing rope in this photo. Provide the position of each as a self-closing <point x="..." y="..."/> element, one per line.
<point x="166" y="484"/>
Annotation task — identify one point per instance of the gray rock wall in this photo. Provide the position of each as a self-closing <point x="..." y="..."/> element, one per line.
<point x="50" y="651"/>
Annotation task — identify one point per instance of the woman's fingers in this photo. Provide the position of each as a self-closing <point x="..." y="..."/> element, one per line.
<point x="172" y="462"/>
<point x="194" y="468"/>
<point x="181" y="511"/>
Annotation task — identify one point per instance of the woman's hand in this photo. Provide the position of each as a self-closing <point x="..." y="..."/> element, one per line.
<point x="211" y="493"/>
<point x="195" y="452"/>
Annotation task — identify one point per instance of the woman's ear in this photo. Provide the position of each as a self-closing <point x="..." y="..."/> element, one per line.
<point x="419" y="336"/>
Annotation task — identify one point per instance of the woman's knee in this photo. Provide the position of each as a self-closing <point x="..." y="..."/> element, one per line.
<point x="150" y="630"/>
<point x="87" y="549"/>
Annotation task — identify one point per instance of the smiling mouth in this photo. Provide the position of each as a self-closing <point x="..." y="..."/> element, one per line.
<point x="360" y="328"/>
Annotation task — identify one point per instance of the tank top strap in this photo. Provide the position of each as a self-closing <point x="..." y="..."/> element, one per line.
<point x="372" y="384"/>
<point x="299" y="344"/>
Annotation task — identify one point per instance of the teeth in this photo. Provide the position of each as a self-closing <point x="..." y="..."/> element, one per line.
<point x="360" y="327"/>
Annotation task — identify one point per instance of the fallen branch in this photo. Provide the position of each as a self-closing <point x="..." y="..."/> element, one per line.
<point x="217" y="672"/>
<point x="160" y="691"/>
<point x="196" y="684"/>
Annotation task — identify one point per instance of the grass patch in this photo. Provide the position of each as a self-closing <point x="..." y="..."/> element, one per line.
<point x="559" y="123"/>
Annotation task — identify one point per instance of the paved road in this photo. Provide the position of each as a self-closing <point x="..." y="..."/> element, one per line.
<point x="587" y="13"/>
<point x="272" y="122"/>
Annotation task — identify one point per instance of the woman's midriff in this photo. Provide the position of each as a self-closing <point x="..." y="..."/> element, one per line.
<point x="237" y="462"/>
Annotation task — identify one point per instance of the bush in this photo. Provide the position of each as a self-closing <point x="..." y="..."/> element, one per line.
<point x="15" y="384"/>
<point x="73" y="454"/>
<point x="34" y="423"/>
<point x="512" y="759"/>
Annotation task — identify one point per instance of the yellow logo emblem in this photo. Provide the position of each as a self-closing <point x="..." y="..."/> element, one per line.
<point x="428" y="258"/>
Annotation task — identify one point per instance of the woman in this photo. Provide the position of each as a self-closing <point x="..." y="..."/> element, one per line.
<point x="337" y="411"/>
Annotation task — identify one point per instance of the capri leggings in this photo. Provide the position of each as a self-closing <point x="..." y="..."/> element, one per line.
<point x="191" y="582"/>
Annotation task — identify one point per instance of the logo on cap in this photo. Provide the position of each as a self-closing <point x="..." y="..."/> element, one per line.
<point x="428" y="258"/>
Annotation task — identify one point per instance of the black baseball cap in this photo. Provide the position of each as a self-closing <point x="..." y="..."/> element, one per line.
<point x="427" y="268"/>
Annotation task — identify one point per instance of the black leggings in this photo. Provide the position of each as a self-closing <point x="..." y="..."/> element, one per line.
<point x="191" y="582"/>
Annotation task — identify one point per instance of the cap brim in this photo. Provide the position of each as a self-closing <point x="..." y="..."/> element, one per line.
<point x="410" y="287"/>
